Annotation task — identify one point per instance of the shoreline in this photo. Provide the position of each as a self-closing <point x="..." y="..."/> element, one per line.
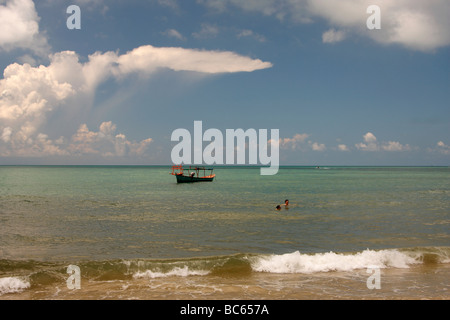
<point x="417" y="283"/>
<point x="230" y="279"/>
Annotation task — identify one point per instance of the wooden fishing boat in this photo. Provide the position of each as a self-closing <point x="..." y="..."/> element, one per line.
<point x="192" y="174"/>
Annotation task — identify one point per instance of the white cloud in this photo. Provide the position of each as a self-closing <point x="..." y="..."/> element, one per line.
<point x="343" y="147"/>
<point x="318" y="146"/>
<point x="105" y="142"/>
<point x="371" y="144"/>
<point x="27" y="95"/>
<point x="26" y="58"/>
<point x="369" y="137"/>
<point x="43" y="146"/>
<point x="443" y="148"/>
<point x="30" y="95"/>
<point x="299" y="142"/>
<point x="250" y="34"/>
<point x="395" y="146"/>
<point x="333" y="36"/>
<point x="6" y="135"/>
<point x="414" y="24"/>
<point x="295" y="142"/>
<point x="19" y="27"/>
<point x="207" y="31"/>
<point x="148" y="59"/>
<point x="421" y="30"/>
<point x="172" y="33"/>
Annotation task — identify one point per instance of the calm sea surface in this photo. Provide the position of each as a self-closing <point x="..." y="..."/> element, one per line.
<point x="137" y="234"/>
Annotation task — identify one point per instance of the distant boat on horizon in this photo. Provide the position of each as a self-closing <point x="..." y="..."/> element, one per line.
<point x="193" y="174"/>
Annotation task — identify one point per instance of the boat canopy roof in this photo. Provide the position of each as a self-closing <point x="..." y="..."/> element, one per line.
<point x="191" y="168"/>
<point x="178" y="169"/>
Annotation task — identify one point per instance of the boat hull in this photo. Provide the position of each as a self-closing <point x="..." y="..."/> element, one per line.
<point x="188" y="179"/>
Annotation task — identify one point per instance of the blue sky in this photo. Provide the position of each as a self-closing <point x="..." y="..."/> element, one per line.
<point x="114" y="91"/>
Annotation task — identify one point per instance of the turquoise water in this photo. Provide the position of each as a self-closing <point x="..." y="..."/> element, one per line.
<point x="140" y="212"/>
<point x="90" y="214"/>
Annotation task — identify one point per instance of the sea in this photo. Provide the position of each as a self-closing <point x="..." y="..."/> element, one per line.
<point x="133" y="233"/>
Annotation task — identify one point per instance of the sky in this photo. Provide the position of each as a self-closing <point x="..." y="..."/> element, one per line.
<point x="114" y="90"/>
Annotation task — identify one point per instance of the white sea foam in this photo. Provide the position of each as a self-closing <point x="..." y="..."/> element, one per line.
<point x="297" y="262"/>
<point x="179" y="272"/>
<point x="12" y="285"/>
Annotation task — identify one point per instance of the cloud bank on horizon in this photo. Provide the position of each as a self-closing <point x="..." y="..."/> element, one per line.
<point x="30" y="95"/>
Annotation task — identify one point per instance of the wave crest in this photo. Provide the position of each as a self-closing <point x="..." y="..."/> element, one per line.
<point x="177" y="271"/>
<point x="13" y="285"/>
<point x="297" y="262"/>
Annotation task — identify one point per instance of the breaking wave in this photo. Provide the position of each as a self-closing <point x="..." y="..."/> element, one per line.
<point x="18" y="276"/>
<point x="296" y="262"/>
<point x="325" y="262"/>
<point x="13" y="285"/>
